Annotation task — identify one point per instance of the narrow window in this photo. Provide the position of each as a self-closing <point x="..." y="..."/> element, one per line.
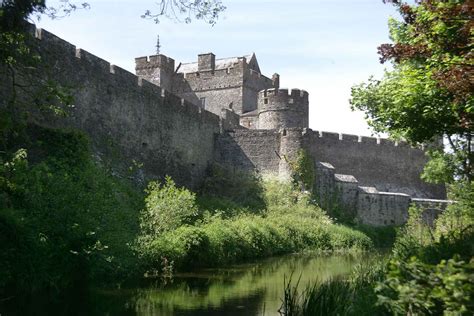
<point x="203" y="103"/>
<point x="265" y="101"/>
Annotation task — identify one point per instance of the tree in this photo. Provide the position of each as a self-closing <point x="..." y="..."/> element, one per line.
<point x="428" y="94"/>
<point x="206" y="10"/>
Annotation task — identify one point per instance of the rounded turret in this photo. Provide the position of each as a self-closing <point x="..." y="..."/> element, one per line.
<point x="277" y="108"/>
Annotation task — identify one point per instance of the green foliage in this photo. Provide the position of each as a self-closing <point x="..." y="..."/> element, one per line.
<point x="340" y="296"/>
<point x="416" y="229"/>
<point x="458" y="218"/>
<point x="247" y="237"/>
<point x="414" y="288"/>
<point x="431" y="271"/>
<point x="427" y="97"/>
<point x="302" y="168"/>
<point x="167" y="208"/>
<point x="428" y="94"/>
<point x="440" y="167"/>
<point x="291" y="223"/>
<point x="66" y="220"/>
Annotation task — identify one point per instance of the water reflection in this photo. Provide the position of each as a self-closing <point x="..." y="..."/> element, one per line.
<point x="250" y="289"/>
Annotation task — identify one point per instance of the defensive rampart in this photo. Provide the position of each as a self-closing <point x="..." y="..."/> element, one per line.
<point x="129" y="119"/>
<point x="135" y="123"/>
<point x="381" y="163"/>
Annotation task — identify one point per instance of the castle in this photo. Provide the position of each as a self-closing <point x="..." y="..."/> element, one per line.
<point x="234" y="84"/>
<point x="179" y="120"/>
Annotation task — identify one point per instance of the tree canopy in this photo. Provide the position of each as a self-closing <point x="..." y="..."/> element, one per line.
<point x="428" y="93"/>
<point x="206" y="10"/>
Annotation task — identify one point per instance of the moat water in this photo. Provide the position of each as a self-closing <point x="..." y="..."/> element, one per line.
<point x="244" y="289"/>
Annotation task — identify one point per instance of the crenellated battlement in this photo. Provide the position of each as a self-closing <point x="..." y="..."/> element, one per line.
<point x="154" y="61"/>
<point x="83" y="60"/>
<point x="349" y="138"/>
<point x="282" y="99"/>
<point x="295" y="93"/>
<point x="282" y="108"/>
<point x="164" y="118"/>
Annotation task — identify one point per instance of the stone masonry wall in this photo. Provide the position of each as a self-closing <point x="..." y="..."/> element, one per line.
<point x="382" y="208"/>
<point x="128" y="117"/>
<point x="254" y="82"/>
<point x="366" y="205"/>
<point x="280" y="108"/>
<point x="250" y="150"/>
<point x="221" y="88"/>
<point x="380" y="163"/>
<point x="235" y="87"/>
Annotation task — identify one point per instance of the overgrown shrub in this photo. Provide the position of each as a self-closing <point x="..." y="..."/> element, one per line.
<point x="291" y="223"/>
<point x="223" y="241"/>
<point x="167" y="207"/>
<point x="432" y="270"/>
<point x="412" y="287"/>
<point x="458" y="218"/>
<point x="66" y="220"/>
<point x="302" y="168"/>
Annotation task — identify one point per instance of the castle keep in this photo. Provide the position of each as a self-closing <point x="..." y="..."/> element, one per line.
<point x="233" y="84"/>
<point x="177" y="120"/>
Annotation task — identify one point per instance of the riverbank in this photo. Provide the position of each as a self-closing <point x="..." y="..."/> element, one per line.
<point x="67" y="223"/>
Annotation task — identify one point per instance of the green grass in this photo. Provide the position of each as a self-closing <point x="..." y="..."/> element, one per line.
<point x="289" y="223"/>
<point x="354" y="295"/>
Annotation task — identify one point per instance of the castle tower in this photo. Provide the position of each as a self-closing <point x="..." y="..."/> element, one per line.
<point x="279" y="109"/>
<point x="291" y="142"/>
<point x="158" y="69"/>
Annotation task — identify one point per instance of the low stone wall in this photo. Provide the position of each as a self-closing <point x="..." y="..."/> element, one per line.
<point x="431" y="208"/>
<point x="367" y="205"/>
<point x="382" y="208"/>
<point x="386" y="165"/>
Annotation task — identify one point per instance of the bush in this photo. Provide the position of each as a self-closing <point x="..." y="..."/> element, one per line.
<point x="224" y="241"/>
<point x="413" y="287"/>
<point x="458" y="218"/>
<point x="290" y="223"/>
<point x="167" y="208"/>
<point x="432" y="270"/>
<point x="66" y="220"/>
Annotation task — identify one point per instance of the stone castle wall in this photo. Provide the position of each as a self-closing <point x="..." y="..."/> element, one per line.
<point x="129" y="117"/>
<point x="367" y="205"/>
<point x="381" y="163"/>
<point x="136" y="122"/>
<point x="254" y="82"/>
<point x="250" y="150"/>
<point x="267" y="152"/>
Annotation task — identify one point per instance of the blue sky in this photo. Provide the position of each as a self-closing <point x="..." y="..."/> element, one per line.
<point x="322" y="46"/>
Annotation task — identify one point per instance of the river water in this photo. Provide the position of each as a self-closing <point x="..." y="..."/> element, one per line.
<point x="246" y="289"/>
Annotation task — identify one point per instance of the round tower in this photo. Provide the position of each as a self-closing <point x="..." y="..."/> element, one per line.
<point x="279" y="109"/>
